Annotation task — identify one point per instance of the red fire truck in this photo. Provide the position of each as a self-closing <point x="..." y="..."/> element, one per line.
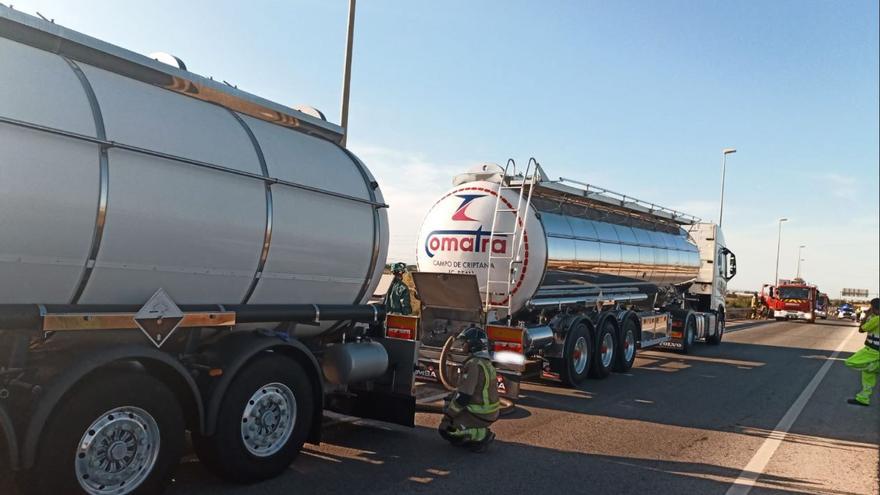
<point x="792" y="300"/>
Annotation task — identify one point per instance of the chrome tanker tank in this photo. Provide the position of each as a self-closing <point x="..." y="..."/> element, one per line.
<point x="573" y="239"/>
<point x="120" y="175"/>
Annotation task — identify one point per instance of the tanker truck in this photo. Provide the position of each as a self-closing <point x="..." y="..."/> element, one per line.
<point x="570" y="279"/>
<point x="176" y="254"/>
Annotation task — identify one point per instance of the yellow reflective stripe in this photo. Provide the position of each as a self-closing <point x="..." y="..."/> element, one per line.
<point x="486" y="407"/>
<point x="485" y="382"/>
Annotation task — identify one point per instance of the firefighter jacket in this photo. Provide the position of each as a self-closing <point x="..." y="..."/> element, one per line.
<point x="477" y="393"/>
<point x="397" y="298"/>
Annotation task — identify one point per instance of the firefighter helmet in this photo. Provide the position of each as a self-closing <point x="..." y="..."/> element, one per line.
<point x="398" y="267"/>
<point x="471" y="341"/>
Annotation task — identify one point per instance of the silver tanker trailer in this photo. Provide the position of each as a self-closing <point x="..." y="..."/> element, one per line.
<point x="176" y="254"/>
<point x="571" y="279"/>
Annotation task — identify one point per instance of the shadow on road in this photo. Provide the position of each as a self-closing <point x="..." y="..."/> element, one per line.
<point x="419" y="462"/>
<point x="736" y="387"/>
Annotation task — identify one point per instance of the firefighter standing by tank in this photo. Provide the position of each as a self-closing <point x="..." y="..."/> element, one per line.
<point x="397" y="298"/>
<point x="867" y="359"/>
<point x="754" y="304"/>
<point x="474" y="406"/>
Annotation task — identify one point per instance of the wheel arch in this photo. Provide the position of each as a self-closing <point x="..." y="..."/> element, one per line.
<point x="236" y="350"/>
<point x="606" y="316"/>
<point x="100" y="359"/>
<point x="577" y="320"/>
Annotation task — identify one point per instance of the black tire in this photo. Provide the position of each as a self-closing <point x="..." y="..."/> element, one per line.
<point x="779" y="319"/>
<point x="606" y="334"/>
<point x="578" y="345"/>
<point x="689" y="334"/>
<point x="720" y="324"/>
<point x="101" y="399"/>
<point x="225" y="453"/>
<point x="628" y="338"/>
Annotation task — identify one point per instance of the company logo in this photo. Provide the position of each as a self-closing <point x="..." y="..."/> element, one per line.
<point x="460" y="214"/>
<point x="467" y="241"/>
<point x="426" y="372"/>
<point x="464" y="242"/>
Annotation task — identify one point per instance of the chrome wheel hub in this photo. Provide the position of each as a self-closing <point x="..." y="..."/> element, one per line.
<point x="117" y="452"/>
<point x="629" y="346"/>
<point x="607" y="350"/>
<point x="580" y="355"/>
<point x="268" y="419"/>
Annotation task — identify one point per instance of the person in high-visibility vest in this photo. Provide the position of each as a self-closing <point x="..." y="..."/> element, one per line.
<point x="754" y="305"/>
<point x="474" y="406"/>
<point x="867" y="359"/>
<point x="397" y="297"/>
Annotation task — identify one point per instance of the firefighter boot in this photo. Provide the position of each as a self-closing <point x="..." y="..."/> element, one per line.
<point x="481" y="446"/>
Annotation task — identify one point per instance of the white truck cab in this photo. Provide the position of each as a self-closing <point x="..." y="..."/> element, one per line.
<point x="717" y="266"/>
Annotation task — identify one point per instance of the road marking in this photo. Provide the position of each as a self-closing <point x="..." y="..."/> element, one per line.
<point x="756" y="466"/>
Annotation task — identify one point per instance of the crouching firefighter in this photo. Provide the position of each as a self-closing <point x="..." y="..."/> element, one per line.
<point x="474" y="406"/>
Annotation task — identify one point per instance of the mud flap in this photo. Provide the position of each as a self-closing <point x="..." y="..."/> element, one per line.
<point x="508" y="384"/>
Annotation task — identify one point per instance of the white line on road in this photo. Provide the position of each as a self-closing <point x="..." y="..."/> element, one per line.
<point x="755" y="468"/>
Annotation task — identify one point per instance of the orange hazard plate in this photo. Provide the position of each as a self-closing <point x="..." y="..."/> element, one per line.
<point x="500" y="333"/>
<point x="402" y="321"/>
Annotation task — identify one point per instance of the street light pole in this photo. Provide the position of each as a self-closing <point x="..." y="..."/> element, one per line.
<point x="346" y="74"/>
<point x="778" y="244"/>
<point x="799" y="260"/>
<point x="724" y="153"/>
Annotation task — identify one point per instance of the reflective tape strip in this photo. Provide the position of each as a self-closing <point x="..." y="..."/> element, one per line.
<point x="486" y="407"/>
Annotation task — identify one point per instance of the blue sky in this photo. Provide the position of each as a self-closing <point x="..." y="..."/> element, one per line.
<point x="636" y="96"/>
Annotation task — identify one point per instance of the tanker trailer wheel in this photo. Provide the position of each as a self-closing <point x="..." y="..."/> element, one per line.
<point x="606" y="347"/>
<point x="115" y="434"/>
<point x="626" y="352"/>
<point x="719" y="330"/>
<point x="690" y="334"/>
<point x="263" y="421"/>
<point x="576" y="355"/>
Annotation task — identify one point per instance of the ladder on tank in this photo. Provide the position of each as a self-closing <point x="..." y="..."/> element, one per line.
<point x="499" y="291"/>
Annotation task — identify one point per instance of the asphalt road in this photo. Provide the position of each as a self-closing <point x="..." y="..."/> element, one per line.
<point x="675" y="424"/>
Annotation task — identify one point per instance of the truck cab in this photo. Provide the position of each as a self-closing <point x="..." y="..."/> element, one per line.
<point x="717" y="267"/>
